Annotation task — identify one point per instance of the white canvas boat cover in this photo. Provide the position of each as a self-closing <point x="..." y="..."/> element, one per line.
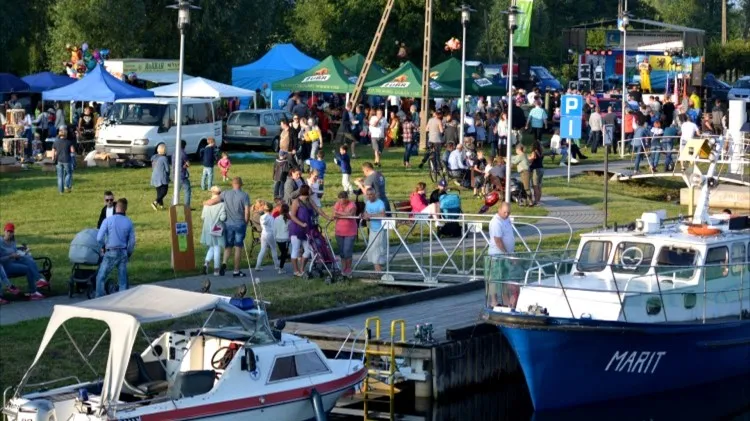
<point x="84" y="248"/>
<point x="124" y="312"/>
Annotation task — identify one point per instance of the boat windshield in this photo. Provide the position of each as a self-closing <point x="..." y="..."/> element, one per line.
<point x="676" y="261"/>
<point x="632" y="257"/>
<point x="594" y="256"/>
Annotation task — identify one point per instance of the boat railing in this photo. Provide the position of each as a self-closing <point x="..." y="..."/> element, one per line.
<point x="507" y="274"/>
<point x="40" y="384"/>
<point x="415" y="249"/>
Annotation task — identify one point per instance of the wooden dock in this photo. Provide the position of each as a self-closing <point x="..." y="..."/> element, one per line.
<point x="463" y="351"/>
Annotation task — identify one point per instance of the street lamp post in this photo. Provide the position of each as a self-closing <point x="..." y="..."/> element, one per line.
<point x="183" y="20"/>
<point x="624" y="21"/>
<point x="465" y="15"/>
<point x="512" y="25"/>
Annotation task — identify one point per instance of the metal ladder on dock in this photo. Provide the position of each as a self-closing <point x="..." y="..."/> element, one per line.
<point x="388" y="375"/>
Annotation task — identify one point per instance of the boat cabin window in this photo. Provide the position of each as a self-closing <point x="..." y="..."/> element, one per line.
<point x="739" y="265"/>
<point x="291" y="366"/>
<point x="717" y="263"/>
<point x="594" y="256"/>
<point x="676" y="262"/>
<point x="632" y="257"/>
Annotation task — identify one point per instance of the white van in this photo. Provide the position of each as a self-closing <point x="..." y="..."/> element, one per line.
<point x="134" y="127"/>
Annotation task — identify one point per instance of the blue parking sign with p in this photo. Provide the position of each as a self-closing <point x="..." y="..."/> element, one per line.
<point x="571" y="116"/>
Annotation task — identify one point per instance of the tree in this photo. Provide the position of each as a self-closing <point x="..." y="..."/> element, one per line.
<point x="116" y="25"/>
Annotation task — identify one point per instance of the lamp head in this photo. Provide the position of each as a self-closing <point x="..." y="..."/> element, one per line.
<point x="625" y="21"/>
<point x="466" y="11"/>
<point x="183" y="12"/>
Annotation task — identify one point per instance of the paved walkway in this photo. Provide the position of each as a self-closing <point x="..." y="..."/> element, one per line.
<point x="579" y="216"/>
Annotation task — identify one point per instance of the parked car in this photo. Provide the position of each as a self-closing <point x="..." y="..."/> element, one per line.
<point x="740" y="89"/>
<point x="544" y="79"/>
<point x="255" y="128"/>
<point x="719" y="88"/>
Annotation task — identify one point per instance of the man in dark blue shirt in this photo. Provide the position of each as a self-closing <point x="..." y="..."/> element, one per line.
<point x="117" y="237"/>
<point x="208" y="159"/>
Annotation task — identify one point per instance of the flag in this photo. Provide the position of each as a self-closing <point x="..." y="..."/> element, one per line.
<point x="523" y="32"/>
<point x="660" y="62"/>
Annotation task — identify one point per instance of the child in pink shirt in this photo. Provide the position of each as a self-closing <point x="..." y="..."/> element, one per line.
<point x="224" y="164"/>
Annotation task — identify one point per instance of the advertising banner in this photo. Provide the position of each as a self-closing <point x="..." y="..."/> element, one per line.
<point x="523" y="32"/>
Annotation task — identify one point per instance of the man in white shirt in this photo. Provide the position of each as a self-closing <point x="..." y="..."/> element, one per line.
<point x="595" y="135"/>
<point x="688" y="130"/>
<point x="457" y="165"/>
<point x="502" y="241"/>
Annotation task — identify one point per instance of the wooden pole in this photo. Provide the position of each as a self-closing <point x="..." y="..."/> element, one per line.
<point x="425" y="108"/>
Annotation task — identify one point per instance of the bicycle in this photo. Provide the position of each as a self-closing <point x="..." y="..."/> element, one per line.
<point x="437" y="168"/>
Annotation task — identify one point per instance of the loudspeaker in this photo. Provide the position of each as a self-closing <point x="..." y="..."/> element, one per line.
<point x="523" y="68"/>
<point x="696" y="77"/>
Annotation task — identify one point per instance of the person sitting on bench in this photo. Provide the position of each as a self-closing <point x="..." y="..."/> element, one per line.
<point x="457" y="168"/>
<point x="419" y="204"/>
<point x="16" y="261"/>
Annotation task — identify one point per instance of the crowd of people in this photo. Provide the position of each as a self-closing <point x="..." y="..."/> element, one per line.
<point x="284" y="222"/>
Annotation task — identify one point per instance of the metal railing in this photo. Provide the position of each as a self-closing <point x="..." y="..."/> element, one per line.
<point x="556" y="270"/>
<point x="415" y="250"/>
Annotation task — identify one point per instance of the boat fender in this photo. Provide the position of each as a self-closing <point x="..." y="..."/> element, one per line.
<point x="317" y="403"/>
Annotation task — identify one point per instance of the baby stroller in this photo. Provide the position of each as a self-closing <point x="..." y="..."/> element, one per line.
<point x="517" y="193"/>
<point x="84" y="254"/>
<point x="323" y="260"/>
<point x="450" y="203"/>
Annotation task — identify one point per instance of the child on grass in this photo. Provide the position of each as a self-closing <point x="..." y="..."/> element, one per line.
<point x="342" y="160"/>
<point x="281" y="235"/>
<point x="267" y="239"/>
<point x="224" y="165"/>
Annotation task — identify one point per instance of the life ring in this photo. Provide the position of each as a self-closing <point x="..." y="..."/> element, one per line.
<point x="702" y="230"/>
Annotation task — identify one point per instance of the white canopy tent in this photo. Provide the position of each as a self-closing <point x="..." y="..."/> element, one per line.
<point x="124" y="312"/>
<point x="199" y="87"/>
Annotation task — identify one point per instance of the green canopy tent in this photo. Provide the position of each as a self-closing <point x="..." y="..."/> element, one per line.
<point x="330" y="75"/>
<point x="449" y="74"/>
<point x="356" y="62"/>
<point x="406" y="81"/>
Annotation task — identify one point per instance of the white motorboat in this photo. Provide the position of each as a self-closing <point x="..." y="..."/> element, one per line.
<point x="228" y="365"/>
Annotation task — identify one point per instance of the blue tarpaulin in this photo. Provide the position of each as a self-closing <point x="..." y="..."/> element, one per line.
<point x="282" y="61"/>
<point x="98" y="85"/>
<point x="11" y="83"/>
<point x="45" y="81"/>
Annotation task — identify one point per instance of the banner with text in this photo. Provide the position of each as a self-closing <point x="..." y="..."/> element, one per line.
<point x="523" y="32"/>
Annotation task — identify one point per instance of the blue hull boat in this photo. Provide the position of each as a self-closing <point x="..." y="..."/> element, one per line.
<point x="572" y="362"/>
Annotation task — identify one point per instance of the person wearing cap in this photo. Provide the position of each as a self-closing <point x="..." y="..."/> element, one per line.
<point x="212" y="234"/>
<point x="280" y="173"/>
<point x="116" y="237"/>
<point x="439" y="191"/>
<point x="17" y="262"/>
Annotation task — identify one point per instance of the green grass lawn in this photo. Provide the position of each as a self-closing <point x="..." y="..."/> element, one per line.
<point x="48" y="221"/>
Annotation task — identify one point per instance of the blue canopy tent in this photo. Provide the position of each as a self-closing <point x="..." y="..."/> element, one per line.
<point x="98" y="85"/>
<point x="282" y="61"/>
<point x="10" y="83"/>
<point x="45" y="81"/>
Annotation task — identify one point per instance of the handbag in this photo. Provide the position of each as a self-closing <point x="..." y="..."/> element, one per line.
<point x="217" y="230"/>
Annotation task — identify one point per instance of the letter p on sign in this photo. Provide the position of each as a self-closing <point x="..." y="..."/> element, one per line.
<point x="572" y="106"/>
